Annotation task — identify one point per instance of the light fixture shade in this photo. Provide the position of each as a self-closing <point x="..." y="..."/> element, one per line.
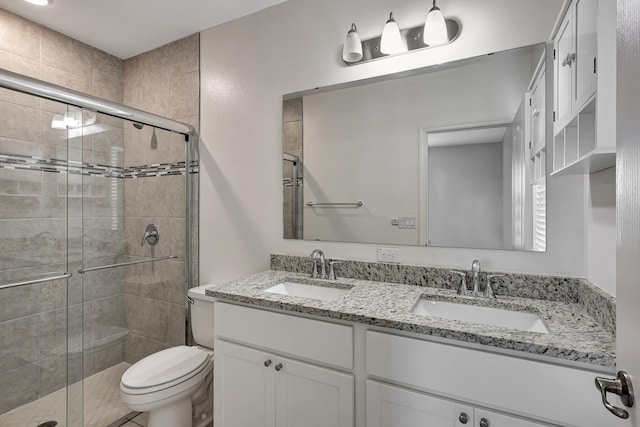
<point x="435" y="27"/>
<point x="38" y="2"/>
<point x="352" y="49"/>
<point x="390" y="41"/>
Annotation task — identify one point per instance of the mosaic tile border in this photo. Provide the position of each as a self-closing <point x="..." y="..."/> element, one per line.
<point x="39" y="164"/>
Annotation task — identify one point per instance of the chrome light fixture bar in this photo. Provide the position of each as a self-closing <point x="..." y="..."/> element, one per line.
<point x="437" y="31"/>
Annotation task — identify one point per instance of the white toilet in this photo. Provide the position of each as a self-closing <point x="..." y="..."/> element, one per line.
<point x="176" y="385"/>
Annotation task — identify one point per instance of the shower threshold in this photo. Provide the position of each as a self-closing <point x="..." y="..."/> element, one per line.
<point x="102" y="404"/>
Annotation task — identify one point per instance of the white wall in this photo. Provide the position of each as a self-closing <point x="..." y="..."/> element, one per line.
<point x="600" y="208"/>
<point x="248" y="64"/>
<point x="465" y="196"/>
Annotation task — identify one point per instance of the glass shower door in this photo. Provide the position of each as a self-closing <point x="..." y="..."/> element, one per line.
<point x="38" y="248"/>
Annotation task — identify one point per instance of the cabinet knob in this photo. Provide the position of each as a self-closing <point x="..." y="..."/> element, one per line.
<point x="484" y="422"/>
<point x="464" y="418"/>
<point x="278" y="367"/>
<point x="267" y="363"/>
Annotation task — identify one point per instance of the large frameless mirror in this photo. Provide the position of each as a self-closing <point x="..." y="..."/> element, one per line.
<point x="450" y="155"/>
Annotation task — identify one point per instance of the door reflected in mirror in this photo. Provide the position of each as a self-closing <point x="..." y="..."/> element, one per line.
<point x="451" y="155"/>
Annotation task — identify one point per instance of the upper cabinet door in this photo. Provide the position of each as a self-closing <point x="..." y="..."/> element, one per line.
<point x="537" y="111"/>
<point x="563" y="46"/>
<point x="586" y="22"/>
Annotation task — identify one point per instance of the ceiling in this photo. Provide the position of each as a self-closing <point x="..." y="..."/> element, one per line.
<point x="125" y="28"/>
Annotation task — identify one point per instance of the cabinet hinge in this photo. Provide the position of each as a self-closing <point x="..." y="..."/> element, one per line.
<point x="554" y="116"/>
<point x="529" y="145"/>
<point x="595" y="61"/>
<point x="530" y="102"/>
<point x="554" y="54"/>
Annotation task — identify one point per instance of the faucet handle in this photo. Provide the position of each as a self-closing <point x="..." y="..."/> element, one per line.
<point x="489" y="291"/>
<point x="314" y="268"/>
<point x="463" y="285"/>
<point x="332" y="273"/>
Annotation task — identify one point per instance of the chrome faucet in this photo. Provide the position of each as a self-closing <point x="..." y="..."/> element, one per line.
<point x="475" y="281"/>
<point x="475" y="276"/>
<point x="317" y="253"/>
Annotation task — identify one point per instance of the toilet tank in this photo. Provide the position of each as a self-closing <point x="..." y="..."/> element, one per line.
<point x="201" y="316"/>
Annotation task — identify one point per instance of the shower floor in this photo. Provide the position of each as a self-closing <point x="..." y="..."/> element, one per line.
<point x="102" y="405"/>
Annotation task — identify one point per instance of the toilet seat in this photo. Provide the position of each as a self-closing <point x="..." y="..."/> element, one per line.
<point x="164" y="369"/>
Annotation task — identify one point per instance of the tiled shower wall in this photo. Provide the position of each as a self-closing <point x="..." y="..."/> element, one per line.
<point x="106" y="216"/>
<point x="292" y="144"/>
<point x="164" y="81"/>
<point x="33" y="220"/>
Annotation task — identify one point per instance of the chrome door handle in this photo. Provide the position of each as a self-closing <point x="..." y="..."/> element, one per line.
<point x="621" y="385"/>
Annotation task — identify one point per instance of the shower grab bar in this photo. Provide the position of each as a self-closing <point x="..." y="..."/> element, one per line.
<point x="316" y="204"/>
<point x="31" y="282"/>
<point x="122" y="264"/>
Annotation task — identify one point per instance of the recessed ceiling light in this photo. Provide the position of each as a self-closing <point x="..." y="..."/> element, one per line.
<point x="38" y="2"/>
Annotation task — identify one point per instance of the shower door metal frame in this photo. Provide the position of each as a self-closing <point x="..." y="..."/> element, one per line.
<point x="31" y="86"/>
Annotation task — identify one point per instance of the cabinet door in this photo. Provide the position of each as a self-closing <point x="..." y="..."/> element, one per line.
<point x="389" y="406"/>
<point x="585" y="15"/>
<point x="311" y="396"/>
<point x="244" y="387"/>
<point x="537" y="114"/>
<point x="494" y="419"/>
<point x="563" y="46"/>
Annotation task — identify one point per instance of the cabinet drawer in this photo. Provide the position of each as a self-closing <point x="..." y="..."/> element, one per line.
<point x="308" y="339"/>
<point x="532" y="389"/>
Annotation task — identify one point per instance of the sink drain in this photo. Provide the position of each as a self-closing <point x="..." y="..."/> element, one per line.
<point x="48" y="424"/>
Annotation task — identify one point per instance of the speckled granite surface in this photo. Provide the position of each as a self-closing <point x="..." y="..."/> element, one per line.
<point x="574" y="334"/>
<point x="595" y="301"/>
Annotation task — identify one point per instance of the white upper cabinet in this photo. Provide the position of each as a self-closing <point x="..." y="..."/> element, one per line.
<point x="575" y="60"/>
<point x="584" y="89"/>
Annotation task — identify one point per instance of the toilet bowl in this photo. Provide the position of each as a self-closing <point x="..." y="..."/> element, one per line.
<point x="176" y="385"/>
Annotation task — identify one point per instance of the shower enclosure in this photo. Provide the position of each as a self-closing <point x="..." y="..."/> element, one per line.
<point x="83" y="293"/>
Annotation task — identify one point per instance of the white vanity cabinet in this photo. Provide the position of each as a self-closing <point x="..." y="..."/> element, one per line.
<point x="273" y="369"/>
<point x="504" y="390"/>
<point x="390" y="406"/>
<point x="257" y="385"/>
<point x="257" y="388"/>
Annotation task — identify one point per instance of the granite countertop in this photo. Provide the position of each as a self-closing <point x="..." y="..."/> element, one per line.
<point x="573" y="334"/>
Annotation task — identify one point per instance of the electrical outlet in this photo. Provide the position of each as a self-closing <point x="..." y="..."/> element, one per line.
<point x="388" y="255"/>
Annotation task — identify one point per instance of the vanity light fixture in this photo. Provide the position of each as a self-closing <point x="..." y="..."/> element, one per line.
<point x="436" y="31"/>
<point x="435" y="27"/>
<point x="352" y="49"/>
<point x="38" y="2"/>
<point x="390" y="41"/>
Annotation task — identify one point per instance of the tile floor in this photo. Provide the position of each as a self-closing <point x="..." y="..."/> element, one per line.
<point x="102" y="405"/>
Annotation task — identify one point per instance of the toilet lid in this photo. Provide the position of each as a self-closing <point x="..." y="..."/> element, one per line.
<point x="164" y="366"/>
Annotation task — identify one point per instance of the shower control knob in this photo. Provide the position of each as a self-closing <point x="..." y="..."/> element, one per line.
<point x="278" y="367"/>
<point x="484" y="422"/>
<point x="464" y="418"/>
<point x="267" y="363"/>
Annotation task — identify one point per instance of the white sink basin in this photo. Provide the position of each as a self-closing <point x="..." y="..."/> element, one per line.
<point x="485" y="315"/>
<point x="304" y="290"/>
